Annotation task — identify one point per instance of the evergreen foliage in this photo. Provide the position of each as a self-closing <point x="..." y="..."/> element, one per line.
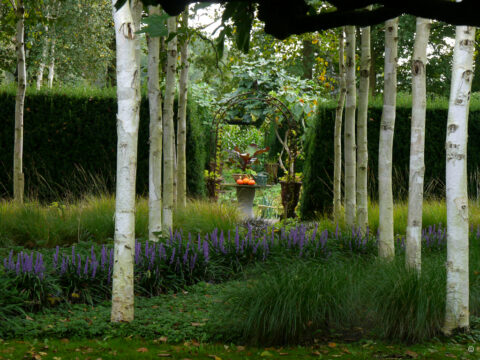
<point x="71" y="142"/>
<point x="318" y="170"/>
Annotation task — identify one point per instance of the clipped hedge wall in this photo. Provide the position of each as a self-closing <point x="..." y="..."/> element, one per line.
<point x="317" y="193"/>
<point x="70" y="144"/>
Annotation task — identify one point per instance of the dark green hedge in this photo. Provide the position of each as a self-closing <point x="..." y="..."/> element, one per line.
<point x="70" y="144"/>
<point x="318" y="169"/>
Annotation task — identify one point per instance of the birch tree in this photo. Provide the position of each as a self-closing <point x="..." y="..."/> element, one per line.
<point x="182" y="118"/>
<point x="41" y="66"/>
<point x="417" y="145"/>
<point x="362" y="149"/>
<point x="127" y="132"/>
<point x="386" y="247"/>
<point x="155" y="152"/>
<point x="349" y="131"/>
<point x="168" y="129"/>
<point x="18" y="176"/>
<point x="457" y="301"/>
<point x="51" y="66"/>
<point x="337" y="170"/>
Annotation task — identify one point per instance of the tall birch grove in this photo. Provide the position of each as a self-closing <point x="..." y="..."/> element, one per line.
<point x="349" y="131"/>
<point x="337" y="169"/>
<point x="156" y="133"/>
<point x="386" y="247"/>
<point x="18" y="176"/>
<point x="127" y="132"/>
<point x="182" y="117"/>
<point x="362" y="147"/>
<point x="457" y="301"/>
<point x="51" y="66"/>
<point x="168" y="129"/>
<point x="417" y="146"/>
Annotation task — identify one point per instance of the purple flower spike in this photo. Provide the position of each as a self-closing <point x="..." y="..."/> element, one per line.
<point x="173" y="256"/>
<point x="199" y="243"/>
<point x="94" y="268"/>
<point x="73" y="255"/>
<point x="85" y="269"/>
<point x="55" y="256"/>
<point x="205" y="251"/>
<point x="92" y="254"/>
<point x="103" y="257"/>
<point x="237" y="241"/>
<point x="192" y="262"/>
<point x="79" y="264"/>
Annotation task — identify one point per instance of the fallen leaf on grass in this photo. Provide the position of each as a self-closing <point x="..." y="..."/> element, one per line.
<point x="282" y="354"/>
<point x="450" y="355"/>
<point x="215" y="357"/>
<point x="164" y="355"/>
<point x="266" y="353"/>
<point x="316" y="353"/>
<point x="412" y="354"/>
<point x="142" y="350"/>
<point x="332" y="345"/>
<point x="28" y="318"/>
<point x="240" y="348"/>
<point x="197" y="324"/>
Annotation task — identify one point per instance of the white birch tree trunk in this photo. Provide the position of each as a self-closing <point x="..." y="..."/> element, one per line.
<point x="51" y="66"/>
<point x="18" y="176"/>
<point x="457" y="302"/>
<point x="182" y="118"/>
<point x="155" y="152"/>
<point x="386" y="248"/>
<point x="337" y="169"/>
<point x="349" y="131"/>
<point x="168" y="128"/>
<point x="127" y="131"/>
<point x="41" y="67"/>
<point x="413" y="255"/>
<point x="362" y="149"/>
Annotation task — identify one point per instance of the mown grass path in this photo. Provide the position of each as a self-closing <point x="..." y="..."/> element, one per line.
<point x="127" y="348"/>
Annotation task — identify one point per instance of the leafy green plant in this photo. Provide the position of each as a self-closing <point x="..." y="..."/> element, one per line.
<point x="245" y="159"/>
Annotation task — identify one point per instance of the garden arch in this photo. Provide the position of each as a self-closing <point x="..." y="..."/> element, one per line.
<point x="285" y="117"/>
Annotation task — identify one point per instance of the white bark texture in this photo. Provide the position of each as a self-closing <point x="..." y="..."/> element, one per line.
<point x="182" y="119"/>
<point x="413" y="256"/>
<point x="155" y="153"/>
<point x="337" y="169"/>
<point x="349" y="131"/>
<point x="386" y="248"/>
<point x="457" y="310"/>
<point x="18" y="176"/>
<point x="41" y="67"/>
<point x="51" y="66"/>
<point x="127" y="131"/>
<point x="168" y="129"/>
<point x="362" y="149"/>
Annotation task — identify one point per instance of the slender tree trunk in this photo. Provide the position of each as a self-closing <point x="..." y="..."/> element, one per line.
<point x="155" y="154"/>
<point x="349" y="132"/>
<point x="457" y="310"/>
<point x="127" y="131"/>
<point x="51" y="66"/>
<point x="337" y="170"/>
<point x="41" y="67"/>
<point x="168" y="128"/>
<point x="18" y="176"/>
<point x="182" y="119"/>
<point x="362" y="149"/>
<point x="413" y="256"/>
<point x="386" y="248"/>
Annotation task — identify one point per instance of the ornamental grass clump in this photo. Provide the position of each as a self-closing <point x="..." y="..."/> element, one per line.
<point x="291" y="304"/>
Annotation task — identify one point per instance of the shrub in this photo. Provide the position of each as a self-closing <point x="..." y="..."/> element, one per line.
<point x="70" y="143"/>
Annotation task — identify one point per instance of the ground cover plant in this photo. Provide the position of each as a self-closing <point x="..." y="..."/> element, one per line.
<point x="261" y="286"/>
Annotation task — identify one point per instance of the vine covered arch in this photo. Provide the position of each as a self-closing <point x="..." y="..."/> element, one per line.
<point x="281" y="117"/>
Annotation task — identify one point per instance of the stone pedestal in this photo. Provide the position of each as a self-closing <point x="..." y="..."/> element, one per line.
<point x="245" y="196"/>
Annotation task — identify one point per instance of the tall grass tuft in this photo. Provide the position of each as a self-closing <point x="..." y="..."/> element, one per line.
<point x="291" y="303"/>
<point x="200" y="216"/>
<point x="406" y="306"/>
